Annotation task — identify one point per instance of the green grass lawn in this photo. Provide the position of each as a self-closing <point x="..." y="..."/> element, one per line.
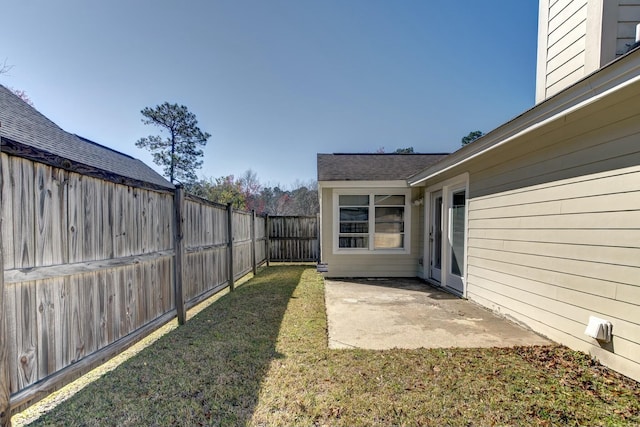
<point x="259" y="356"/>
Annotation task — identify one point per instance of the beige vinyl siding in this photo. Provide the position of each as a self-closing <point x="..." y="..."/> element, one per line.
<point x="554" y="230"/>
<point x="366" y="266"/>
<point x="564" y="52"/>
<point x="565" y="44"/>
<point x="537" y="262"/>
<point x="577" y="37"/>
<point x="600" y="138"/>
<point x="563" y="25"/>
<point x="372" y="264"/>
<point x="628" y="18"/>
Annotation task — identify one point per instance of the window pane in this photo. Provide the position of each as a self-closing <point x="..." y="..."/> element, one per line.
<point x="459" y="198"/>
<point x="457" y="232"/>
<point x="353" y="200"/>
<point x="389" y="214"/>
<point x="354" y="214"/>
<point x="354" y="227"/>
<point x="389" y="227"/>
<point x="389" y="200"/>
<point x="353" y="242"/>
<point x="389" y="241"/>
<point x="437" y="233"/>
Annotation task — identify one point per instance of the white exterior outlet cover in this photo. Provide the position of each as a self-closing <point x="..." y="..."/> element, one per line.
<point x="599" y="329"/>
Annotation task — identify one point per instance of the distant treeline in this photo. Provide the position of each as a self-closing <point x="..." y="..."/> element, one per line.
<point x="247" y="193"/>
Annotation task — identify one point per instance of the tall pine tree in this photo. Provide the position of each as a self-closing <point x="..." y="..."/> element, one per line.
<point x="180" y="152"/>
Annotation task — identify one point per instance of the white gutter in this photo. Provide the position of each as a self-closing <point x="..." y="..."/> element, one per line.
<point x="531" y="128"/>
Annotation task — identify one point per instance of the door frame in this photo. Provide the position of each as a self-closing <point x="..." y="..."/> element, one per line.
<point x="453" y="281"/>
<point x="436" y="232"/>
<point x="447" y="187"/>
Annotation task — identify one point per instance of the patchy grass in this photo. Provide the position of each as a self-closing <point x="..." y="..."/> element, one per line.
<point x="258" y="356"/>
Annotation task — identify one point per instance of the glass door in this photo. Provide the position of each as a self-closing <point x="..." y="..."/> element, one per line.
<point x="435" y="237"/>
<point x="457" y="221"/>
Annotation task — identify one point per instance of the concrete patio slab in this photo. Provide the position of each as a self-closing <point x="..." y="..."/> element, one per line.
<point x="408" y="313"/>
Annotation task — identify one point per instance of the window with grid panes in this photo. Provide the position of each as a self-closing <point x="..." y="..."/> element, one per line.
<point x="371" y="221"/>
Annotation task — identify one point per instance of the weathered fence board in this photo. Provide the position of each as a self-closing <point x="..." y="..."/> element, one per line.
<point x="6" y="210"/>
<point x="5" y="390"/>
<point x="242" y="243"/>
<point x="51" y="237"/>
<point x="23" y="212"/>
<point x="261" y="239"/>
<point x="293" y="238"/>
<point x="76" y="220"/>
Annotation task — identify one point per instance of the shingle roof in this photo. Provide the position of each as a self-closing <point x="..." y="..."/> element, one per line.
<point x="20" y="123"/>
<point x="373" y="167"/>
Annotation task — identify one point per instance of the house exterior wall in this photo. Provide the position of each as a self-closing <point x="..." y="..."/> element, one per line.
<point x="627" y="19"/>
<point x="554" y="229"/>
<point x="371" y="264"/>
<point x="577" y="37"/>
<point x="562" y="27"/>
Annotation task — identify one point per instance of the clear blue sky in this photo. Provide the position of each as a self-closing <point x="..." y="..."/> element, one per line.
<point x="276" y="81"/>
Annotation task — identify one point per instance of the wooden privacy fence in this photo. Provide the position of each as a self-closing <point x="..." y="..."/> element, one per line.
<point x="92" y="265"/>
<point x="293" y="238"/>
<point x="205" y="232"/>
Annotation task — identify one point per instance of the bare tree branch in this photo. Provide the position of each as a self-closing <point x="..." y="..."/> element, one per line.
<point x="5" y="68"/>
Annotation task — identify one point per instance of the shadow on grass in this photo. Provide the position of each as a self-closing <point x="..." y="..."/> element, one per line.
<point x="207" y="372"/>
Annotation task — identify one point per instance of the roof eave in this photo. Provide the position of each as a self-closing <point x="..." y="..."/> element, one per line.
<point x="391" y="183"/>
<point x="613" y="77"/>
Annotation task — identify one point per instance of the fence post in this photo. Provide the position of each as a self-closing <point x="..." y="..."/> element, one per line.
<point x="5" y="392"/>
<point x="253" y="242"/>
<point x="178" y="270"/>
<point x="230" y="229"/>
<point x="268" y="242"/>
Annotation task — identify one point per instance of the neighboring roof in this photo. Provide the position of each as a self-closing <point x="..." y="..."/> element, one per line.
<point x="23" y="129"/>
<point x="615" y="76"/>
<point x="373" y="167"/>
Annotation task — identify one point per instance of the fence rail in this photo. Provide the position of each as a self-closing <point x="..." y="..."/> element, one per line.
<point x="91" y="266"/>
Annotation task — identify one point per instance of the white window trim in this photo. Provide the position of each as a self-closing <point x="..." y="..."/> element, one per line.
<point x="371" y="192"/>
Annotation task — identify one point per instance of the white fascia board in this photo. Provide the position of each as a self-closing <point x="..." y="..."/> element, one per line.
<point x="621" y="73"/>
<point x="400" y="183"/>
